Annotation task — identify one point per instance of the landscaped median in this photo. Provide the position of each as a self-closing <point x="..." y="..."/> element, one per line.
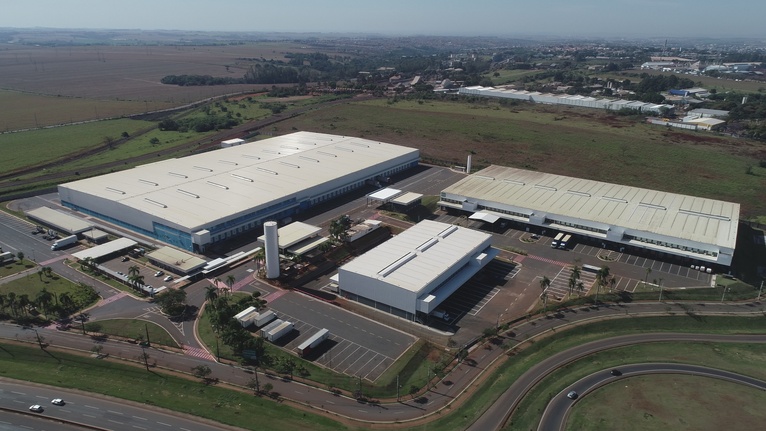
<point x="219" y="403"/>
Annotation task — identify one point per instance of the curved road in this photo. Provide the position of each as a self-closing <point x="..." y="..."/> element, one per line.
<point x="558" y="409"/>
<point x="496" y="416"/>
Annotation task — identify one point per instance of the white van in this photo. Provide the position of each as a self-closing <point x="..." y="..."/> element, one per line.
<point x="556" y="240"/>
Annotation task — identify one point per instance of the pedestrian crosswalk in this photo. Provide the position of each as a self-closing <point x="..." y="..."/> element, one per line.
<point x="198" y="353"/>
<point x="113" y="298"/>
<point x="546" y="260"/>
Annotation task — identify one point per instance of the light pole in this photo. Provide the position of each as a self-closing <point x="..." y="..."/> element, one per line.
<point x="660" y="283"/>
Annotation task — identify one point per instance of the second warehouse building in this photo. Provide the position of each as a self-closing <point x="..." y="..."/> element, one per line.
<point x="412" y="273"/>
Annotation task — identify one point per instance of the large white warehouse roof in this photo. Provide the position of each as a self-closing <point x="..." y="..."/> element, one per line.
<point x="692" y="218"/>
<point x="195" y="191"/>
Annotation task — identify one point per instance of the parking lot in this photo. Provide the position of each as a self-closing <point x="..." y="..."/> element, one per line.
<point x="356" y="347"/>
<point x="473" y="296"/>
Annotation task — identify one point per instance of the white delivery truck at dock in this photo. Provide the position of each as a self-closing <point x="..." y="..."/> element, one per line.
<point x="307" y="346"/>
<point x="280" y="331"/>
<point x="63" y="242"/>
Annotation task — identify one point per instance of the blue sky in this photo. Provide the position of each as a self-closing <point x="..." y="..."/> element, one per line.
<point x="612" y="18"/>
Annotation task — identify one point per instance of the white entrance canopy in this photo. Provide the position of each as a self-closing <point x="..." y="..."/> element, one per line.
<point x="384" y="195"/>
<point x="487" y="217"/>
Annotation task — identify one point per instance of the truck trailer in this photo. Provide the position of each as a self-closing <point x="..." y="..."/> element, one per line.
<point x="307" y="346"/>
<point x="266" y="329"/>
<point x="280" y="331"/>
<point x="264" y="318"/>
<point x="63" y="242"/>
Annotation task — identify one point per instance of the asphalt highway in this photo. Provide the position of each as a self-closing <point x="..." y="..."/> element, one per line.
<point x="94" y="410"/>
<point x="558" y="409"/>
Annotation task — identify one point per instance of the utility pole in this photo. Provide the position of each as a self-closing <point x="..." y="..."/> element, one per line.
<point x="660" y="290"/>
<point x="760" y="289"/>
<point x="39" y="340"/>
<point x="397" y="387"/>
<point x="146" y="327"/>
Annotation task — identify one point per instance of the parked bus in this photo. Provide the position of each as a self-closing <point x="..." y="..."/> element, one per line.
<point x="564" y="242"/>
<point x="556" y="240"/>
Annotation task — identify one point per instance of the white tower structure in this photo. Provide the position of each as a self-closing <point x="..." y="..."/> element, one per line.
<point x="468" y="165"/>
<point x="272" y="249"/>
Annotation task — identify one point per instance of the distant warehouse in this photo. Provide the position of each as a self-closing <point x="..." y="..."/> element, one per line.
<point x="415" y="271"/>
<point x="196" y="201"/>
<point x="565" y="99"/>
<point x="694" y="228"/>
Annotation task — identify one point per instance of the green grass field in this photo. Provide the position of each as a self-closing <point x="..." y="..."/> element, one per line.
<point x="33" y="283"/>
<point x="134" y="383"/>
<point x="676" y="402"/>
<point x="577" y="142"/>
<point x="136" y="329"/>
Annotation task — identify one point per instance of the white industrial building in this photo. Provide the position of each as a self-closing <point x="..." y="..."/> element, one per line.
<point x="565" y="99"/>
<point x="415" y="271"/>
<point x="699" y="229"/>
<point x="196" y="201"/>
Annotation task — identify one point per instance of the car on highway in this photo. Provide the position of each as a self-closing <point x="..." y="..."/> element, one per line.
<point x="159" y="273"/>
<point x="572" y="395"/>
<point x="37" y="408"/>
<point x="57" y="402"/>
<point x="615" y="372"/>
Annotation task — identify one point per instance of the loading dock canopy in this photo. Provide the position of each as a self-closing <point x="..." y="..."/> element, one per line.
<point x="486" y="217"/>
<point x="384" y="195"/>
<point x="102" y="250"/>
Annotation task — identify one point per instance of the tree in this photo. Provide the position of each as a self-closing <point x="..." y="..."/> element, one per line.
<point x="44" y="298"/>
<point x="602" y="278"/>
<point x="545" y="282"/>
<point x="97" y="348"/>
<point x="230" y="279"/>
<point x="646" y="277"/>
<point x="23" y="302"/>
<point x="201" y="371"/>
<point x="172" y="301"/>
<point x="254" y="383"/>
<point x="268" y="387"/>
<point x="211" y="294"/>
<point x="67" y="303"/>
<point x="154" y="141"/>
<point x="20" y="257"/>
<point x="134" y="270"/>
<point x="11" y="299"/>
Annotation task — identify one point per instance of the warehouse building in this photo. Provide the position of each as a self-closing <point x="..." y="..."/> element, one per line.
<point x="693" y="228"/>
<point x="565" y="99"/>
<point x="196" y="201"/>
<point x="415" y="271"/>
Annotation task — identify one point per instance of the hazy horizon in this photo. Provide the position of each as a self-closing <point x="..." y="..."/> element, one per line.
<point x="562" y="18"/>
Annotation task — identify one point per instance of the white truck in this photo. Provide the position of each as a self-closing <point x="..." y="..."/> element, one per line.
<point x="315" y="340"/>
<point x="280" y="331"/>
<point x="441" y="314"/>
<point x="63" y="242"/>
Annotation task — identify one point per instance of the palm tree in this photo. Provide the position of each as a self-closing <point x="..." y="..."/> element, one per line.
<point x="646" y="277"/>
<point x="23" y="302"/>
<point x="545" y="282"/>
<point x="67" y="303"/>
<point x="572" y="283"/>
<point x="12" y="303"/>
<point x="230" y="279"/>
<point x="211" y="294"/>
<point x="44" y="298"/>
<point x="134" y="270"/>
<point x="576" y="272"/>
<point x="602" y="277"/>
<point x="580" y="287"/>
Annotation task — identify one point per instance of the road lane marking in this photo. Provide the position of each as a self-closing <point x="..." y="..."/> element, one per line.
<point x="163" y="423"/>
<point x="91" y="407"/>
<point x="117" y="422"/>
<point x="90" y="416"/>
<point x="139" y="418"/>
<point x="117" y="413"/>
<point x="141" y="428"/>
